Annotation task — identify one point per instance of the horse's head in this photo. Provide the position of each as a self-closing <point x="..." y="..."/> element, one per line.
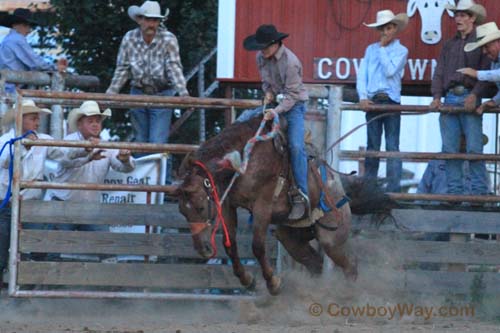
<point x="196" y="203"/>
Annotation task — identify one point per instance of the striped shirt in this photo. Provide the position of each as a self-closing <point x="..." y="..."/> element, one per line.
<point x="157" y="64"/>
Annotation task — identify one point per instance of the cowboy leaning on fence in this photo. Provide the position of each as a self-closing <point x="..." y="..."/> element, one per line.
<point x="379" y="82"/>
<point x="488" y="39"/>
<point x="149" y="57"/>
<point x="462" y="90"/>
<point x="15" y="52"/>
<point x="32" y="165"/>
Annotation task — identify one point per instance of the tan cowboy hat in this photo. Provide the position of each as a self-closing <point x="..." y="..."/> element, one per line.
<point x="28" y="106"/>
<point x="88" y="109"/>
<point x="387" y="16"/>
<point x="485" y="33"/>
<point x="149" y="9"/>
<point x="471" y="7"/>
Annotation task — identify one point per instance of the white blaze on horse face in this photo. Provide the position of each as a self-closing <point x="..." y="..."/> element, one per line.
<point x="431" y="12"/>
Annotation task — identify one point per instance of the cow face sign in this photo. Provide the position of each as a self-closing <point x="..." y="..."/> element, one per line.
<point x="431" y="12"/>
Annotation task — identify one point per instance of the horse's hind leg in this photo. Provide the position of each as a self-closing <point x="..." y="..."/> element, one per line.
<point x="296" y="243"/>
<point x="335" y="247"/>
<point x="246" y="279"/>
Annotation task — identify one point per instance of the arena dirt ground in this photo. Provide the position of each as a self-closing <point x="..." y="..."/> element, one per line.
<point x="305" y="305"/>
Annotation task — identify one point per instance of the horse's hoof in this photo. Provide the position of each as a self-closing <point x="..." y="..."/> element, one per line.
<point x="250" y="286"/>
<point x="274" y="285"/>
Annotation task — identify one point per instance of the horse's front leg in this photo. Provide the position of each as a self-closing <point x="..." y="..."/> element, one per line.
<point x="262" y="218"/>
<point x="246" y="279"/>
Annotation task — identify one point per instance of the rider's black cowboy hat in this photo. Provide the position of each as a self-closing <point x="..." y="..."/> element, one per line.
<point x="20" y="15"/>
<point x="265" y="35"/>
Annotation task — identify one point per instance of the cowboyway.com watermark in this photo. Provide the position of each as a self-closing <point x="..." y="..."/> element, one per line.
<point x="390" y="312"/>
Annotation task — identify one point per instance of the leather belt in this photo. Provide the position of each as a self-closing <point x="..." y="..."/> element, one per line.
<point x="381" y="97"/>
<point x="151" y="90"/>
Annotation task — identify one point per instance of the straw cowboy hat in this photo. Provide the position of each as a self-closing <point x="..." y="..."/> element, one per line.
<point x="387" y="16"/>
<point x="485" y="33"/>
<point x="471" y="7"/>
<point x="149" y="9"/>
<point x="265" y="35"/>
<point x="20" y="15"/>
<point x="27" y="107"/>
<point x="88" y="109"/>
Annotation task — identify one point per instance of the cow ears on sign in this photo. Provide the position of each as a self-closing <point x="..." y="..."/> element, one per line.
<point x="412" y="6"/>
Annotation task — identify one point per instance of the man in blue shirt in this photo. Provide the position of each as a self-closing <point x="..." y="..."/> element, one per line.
<point x="488" y="39"/>
<point x="15" y="52"/>
<point x="379" y="82"/>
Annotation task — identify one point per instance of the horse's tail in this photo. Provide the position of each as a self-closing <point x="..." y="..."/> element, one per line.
<point x="367" y="196"/>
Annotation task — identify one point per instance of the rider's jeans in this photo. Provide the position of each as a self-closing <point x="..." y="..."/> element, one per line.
<point x="295" y="134"/>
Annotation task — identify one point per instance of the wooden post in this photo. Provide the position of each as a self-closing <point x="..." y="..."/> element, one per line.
<point x="461" y="238"/>
<point x="361" y="163"/>
<point x="57" y="116"/>
<point x="333" y="133"/>
<point x="228" y="113"/>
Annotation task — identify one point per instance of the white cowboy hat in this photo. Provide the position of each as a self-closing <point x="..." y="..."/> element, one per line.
<point x="88" y="109"/>
<point x="485" y="33"/>
<point x="469" y="6"/>
<point x="387" y="16"/>
<point x="28" y="106"/>
<point x="149" y="9"/>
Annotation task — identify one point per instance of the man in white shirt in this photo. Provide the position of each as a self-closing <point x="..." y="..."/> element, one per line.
<point x="32" y="164"/>
<point x="87" y="165"/>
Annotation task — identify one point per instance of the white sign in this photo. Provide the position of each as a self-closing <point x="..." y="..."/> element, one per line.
<point x="147" y="172"/>
<point x="431" y="13"/>
<point x="347" y="68"/>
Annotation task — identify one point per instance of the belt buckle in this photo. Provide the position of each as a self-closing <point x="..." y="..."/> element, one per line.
<point x="458" y="90"/>
<point x="149" y="90"/>
<point x="383" y="97"/>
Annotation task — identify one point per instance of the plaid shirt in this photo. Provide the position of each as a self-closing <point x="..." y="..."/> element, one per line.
<point x="157" y="64"/>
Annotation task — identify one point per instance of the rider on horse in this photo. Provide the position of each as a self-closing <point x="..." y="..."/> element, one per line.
<point x="281" y="73"/>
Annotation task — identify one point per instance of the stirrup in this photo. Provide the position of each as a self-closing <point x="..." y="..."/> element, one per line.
<point x="300" y="207"/>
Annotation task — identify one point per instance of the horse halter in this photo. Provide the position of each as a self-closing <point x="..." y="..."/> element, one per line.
<point x="197" y="227"/>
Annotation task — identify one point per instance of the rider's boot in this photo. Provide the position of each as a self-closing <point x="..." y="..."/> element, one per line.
<point x="300" y="206"/>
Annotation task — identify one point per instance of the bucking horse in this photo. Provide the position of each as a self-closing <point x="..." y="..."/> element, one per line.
<point x="210" y="192"/>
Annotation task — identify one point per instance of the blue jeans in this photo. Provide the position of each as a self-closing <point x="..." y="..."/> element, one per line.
<point x="295" y="134"/>
<point x="391" y="126"/>
<point x="151" y="125"/>
<point x="471" y="126"/>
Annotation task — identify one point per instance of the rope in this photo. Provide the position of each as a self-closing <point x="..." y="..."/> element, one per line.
<point x="343" y="137"/>
<point x="220" y="218"/>
<point x="11" y="165"/>
<point x="234" y="157"/>
<point x="258" y="137"/>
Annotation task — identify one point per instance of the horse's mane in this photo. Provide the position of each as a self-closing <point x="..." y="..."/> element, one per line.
<point x="233" y="137"/>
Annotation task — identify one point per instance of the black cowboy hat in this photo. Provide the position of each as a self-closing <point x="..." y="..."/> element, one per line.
<point x="20" y="15"/>
<point x="265" y="35"/>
